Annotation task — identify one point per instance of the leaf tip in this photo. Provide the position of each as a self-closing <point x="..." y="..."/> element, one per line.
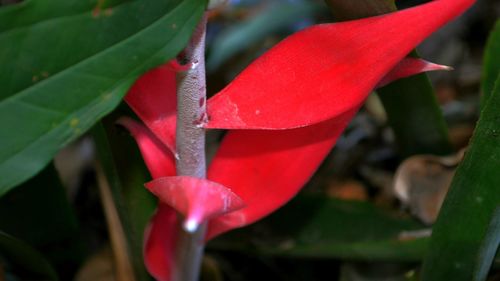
<point x="191" y="225"/>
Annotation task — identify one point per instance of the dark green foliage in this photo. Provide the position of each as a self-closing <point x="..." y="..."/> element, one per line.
<point x="66" y="64"/>
<point x="463" y="240"/>
<point x="38" y="212"/>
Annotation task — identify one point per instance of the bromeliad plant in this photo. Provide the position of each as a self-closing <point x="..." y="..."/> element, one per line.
<point x="284" y="114"/>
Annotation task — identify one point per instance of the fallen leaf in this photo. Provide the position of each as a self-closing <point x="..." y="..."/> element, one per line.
<point x="422" y="181"/>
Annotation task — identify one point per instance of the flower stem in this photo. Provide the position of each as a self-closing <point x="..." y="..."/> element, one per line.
<point x="190" y="147"/>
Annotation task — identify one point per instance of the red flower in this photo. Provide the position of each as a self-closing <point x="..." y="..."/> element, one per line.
<point x="293" y="103"/>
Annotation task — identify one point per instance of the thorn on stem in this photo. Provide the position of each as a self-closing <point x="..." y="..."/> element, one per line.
<point x="176" y="66"/>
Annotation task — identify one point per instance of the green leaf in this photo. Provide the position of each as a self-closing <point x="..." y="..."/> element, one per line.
<point x="414" y="115"/>
<point x="467" y="218"/>
<point x="240" y="36"/>
<point x="139" y="203"/>
<point x="319" y="227"/>
<point x="67" y="63"/>
<point x="491" y="66"/>
<point x="39" y="213"/>
<point x="126" y="170"/>
<point x="23" y="260"/>
<point x="118" y="202"/>
<point x="489" y="247"/>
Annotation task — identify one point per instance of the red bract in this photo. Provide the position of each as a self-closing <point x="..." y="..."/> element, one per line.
<point x="312" y="84"/>
<point x="153" y="98"/>
<point x="197" y="199"/>
<point x="160" y="235"/>
<point x="159" y="159"/>
<point x="159" y="242"/>
<point x="408" y="67"/>
<point x="321" y="72"/>
<point x="267" y="168"/>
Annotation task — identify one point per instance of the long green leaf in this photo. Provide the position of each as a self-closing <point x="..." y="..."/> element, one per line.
<point x="67" y="63"/>
<point x="131" y="231"/>
<point x="464" y="221"/>
<point x="127" y="173"/>
<point x="489" y="247"/>
<point x="23" y="260"/>
<point x="491" y="63"/>
<point x="414" y="115"/>
<point x="139" y="202"/>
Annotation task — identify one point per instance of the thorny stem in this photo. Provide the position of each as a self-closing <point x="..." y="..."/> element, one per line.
<point x="190" y="146"/>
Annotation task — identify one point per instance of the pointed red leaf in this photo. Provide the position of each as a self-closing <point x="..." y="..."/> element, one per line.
<point x="161" y="234"/>
<point x="408" y="67"/>
<point x="267" y="168"/>
<point x="161" y="161"/>
<point x="325" y="70"/>
<point x="153" y="99"/>
<point x="197" y="199"/>
<point x="159" y="242"/>
<point x="158" y="158"/>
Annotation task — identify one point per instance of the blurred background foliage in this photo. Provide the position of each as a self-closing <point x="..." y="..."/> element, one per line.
<point x="367" y="214"/>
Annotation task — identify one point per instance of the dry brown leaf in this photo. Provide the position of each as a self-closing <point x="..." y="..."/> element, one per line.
<point x="422" y="181"/>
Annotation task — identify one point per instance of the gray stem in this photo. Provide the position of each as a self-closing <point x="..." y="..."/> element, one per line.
<point x="190" y="146"/>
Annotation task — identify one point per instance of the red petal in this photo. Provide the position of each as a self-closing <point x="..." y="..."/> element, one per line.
<point x="325" y="70"/>
<point x="408" y="67"/>
<point x="197" y="199"/>
<point x="267" y="168"/>
<point x="159" y="242"/>
<point x="253" y="162"/>
<point x="161" y="234"/>
<point x="159" y="160"/>
<point x="153" y="99"/>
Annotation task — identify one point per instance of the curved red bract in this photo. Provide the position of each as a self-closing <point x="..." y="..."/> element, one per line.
<point x="152" y="98"/>
<point x="158" y="158"/>
<point x="328" y="68"/>
<point x="160" y="238"/>
<point x="267" y="168"/>
<point x="160" y="235"/>
<point x="408" y="67"/>
<point x="316" y="87"/>
<point x="198" y="200"/>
